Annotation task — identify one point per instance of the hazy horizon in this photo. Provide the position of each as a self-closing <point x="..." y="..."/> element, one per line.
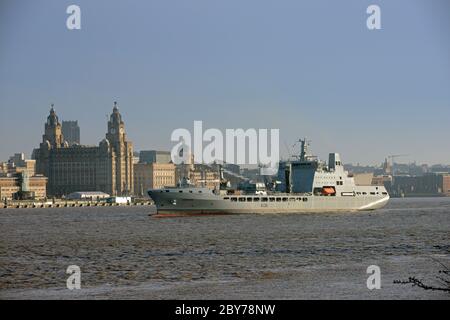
<point x="311" y="69"/>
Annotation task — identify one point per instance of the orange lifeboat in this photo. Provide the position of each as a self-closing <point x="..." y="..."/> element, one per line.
<point x="328" y="191"/>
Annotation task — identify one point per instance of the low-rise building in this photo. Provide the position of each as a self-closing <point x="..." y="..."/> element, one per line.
<point x="153" y="176"/>
<point x="88" y="195"/>
<point x="12" y="184"/>
<point x="363" y="179"/>
<point x="199" y="175"/>
<point x="430" y="184"/>
<point x="154" y="156"/>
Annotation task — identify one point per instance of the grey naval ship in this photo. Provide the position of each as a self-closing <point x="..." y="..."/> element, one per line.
<point x="303" y="185"/>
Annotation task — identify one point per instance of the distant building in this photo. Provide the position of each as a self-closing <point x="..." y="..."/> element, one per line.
<point x="11" y="185"/>
<point x="17" y="163"/>
<point x="88" y="195"/>
<point x="204" y="176"/>
<point x="384" y="180"/>
<point x="107" y="167"/>
<point x="363" y="179"/>
<point x="199" y="175"/>
<point x="430" y="184"/>
<point x="153" y="176"/>
<point x="234" y="168"/>
<point x="135" y="157"/>
<point x="153" y="156"/>
<point x="3" y="167"/>
<point x="71" y="132"/>
<point x="446" y="184"/>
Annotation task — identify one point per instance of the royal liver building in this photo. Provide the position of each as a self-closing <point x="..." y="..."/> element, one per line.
<point x="107" y="167"/>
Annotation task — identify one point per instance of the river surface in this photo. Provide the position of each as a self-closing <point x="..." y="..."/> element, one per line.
<point x="125" y="253"/>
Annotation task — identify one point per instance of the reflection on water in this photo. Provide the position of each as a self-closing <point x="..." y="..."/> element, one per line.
<point x="125" y="253"/>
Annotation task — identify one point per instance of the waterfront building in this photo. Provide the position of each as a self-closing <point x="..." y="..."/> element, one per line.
<point x="154" y="156"/>
<point x="107" y="167"/>
<point x="12" y="185"/>
<point x="153" y="176"/>
<point x="71" y="132"/>
<point x="199" y="175"/>
<point x="430" y="184"/>
<point x="88" y="195"/>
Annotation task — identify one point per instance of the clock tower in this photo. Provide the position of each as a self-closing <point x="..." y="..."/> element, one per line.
<point x="123" y="153"/>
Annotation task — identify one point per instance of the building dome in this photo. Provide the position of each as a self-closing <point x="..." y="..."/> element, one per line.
<point x="52" y="118"/>
<point x="105" y="144"/>
<point x="116" y="117"/>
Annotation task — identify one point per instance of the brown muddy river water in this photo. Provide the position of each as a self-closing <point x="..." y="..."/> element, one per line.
<point x="124" y="253"/>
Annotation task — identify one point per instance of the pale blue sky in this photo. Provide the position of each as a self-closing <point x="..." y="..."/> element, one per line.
<point x="310" y="68"/>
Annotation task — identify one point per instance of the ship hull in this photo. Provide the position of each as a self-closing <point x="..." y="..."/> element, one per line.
<point x="185" y="203"/>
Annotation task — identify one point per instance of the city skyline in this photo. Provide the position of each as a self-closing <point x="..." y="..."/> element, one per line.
<point x="284" y="155"/>
<point x="365" y="94"/>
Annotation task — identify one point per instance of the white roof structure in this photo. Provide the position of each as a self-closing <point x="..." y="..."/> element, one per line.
<point x="88" y="194"/>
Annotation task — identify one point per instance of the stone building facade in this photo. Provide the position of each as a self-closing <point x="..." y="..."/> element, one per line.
<point x="12" y="183"/>
<point x="153" y="176"/>
<point x="107" y="167"/>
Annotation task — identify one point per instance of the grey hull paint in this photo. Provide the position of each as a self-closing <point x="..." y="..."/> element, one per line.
<point x="176" y="202"/>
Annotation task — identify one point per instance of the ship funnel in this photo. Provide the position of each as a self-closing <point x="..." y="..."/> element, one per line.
<point x="334" y="161"/>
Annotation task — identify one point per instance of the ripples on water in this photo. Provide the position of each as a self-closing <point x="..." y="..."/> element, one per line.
<point x="124" y="253"/>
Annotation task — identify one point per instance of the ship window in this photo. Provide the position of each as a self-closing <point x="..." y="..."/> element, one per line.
<point x="234" y="199"/>
<point x="249" y="199"/>
<point x="285" y="199"/>
<point x="167" y="190"/>
<point x="264" y="199"/>
<point x="305" y="199"/>
<point x="364" y="193"/>
<point x="278" y="199"/>
<point x="271" y="199"/>
<point x="299" y="199"/>
<point x="255" y="199"/>
<point x="242" y="199"/>
<point x="226" y="198"/>
<point x="190" y="191"/>
<point x="200" y="191"/>
<point x="291" y="199"/>
<point x="181" y="191"/>
<point x="385" y="193"/>
<point x="372" y="193"/>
